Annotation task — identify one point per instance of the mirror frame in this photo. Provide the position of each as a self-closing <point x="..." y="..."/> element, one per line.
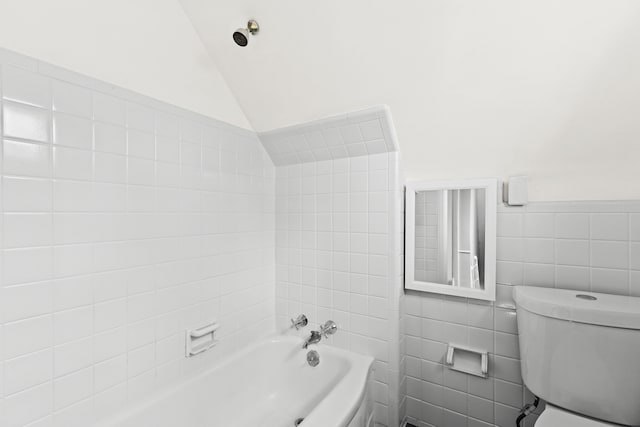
<point x="491" y="206"/>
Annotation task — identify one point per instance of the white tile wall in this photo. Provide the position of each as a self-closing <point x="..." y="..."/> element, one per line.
<point x="338" y="256"/>
<point x="124" y="221"/>
<point x="354" y="134"/>
<point x="339" y="238"/>
<point x="590" y="246"/>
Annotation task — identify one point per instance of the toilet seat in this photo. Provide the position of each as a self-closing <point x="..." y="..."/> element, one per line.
<point x="556" y="417"/>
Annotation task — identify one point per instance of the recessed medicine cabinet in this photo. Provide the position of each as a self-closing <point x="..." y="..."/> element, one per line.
<point x="450" y="240"/>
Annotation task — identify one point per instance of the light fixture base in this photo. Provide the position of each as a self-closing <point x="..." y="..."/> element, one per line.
<point x="253" y="26"/>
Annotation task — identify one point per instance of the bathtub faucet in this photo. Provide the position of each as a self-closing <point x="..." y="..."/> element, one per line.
<point x="329" y="328"/>
<point x="300" y="322"/>
<point x="314" y="338"/>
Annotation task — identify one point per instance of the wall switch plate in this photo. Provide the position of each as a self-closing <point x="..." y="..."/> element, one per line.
<point x="515" y="192"/>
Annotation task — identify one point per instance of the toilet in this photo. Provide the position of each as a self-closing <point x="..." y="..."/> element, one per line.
<point x="556" y="417"/>
<point x="579" y="353"/>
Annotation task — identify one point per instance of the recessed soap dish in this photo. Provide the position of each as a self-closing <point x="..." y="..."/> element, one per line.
<point x="200" y="339"/>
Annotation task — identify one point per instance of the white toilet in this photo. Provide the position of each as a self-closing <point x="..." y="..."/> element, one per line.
<point x="580" y="353"/>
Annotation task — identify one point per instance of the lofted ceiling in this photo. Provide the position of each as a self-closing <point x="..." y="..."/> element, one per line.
<point x="547" y="88"/>
<point x="125" y="43"/>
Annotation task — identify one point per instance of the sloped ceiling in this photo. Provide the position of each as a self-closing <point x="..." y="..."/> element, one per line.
<point x="148" y="46"/>
<point x="546" y="88"/>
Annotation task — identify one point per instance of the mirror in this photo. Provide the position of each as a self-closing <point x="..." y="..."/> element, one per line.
<point x="450" y="241"/>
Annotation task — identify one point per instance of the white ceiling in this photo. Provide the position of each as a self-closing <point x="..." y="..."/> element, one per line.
<point x="148" y="46"/>
<point x="548" y="88"/>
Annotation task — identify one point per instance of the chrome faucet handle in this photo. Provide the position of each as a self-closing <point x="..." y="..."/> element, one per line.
<point x="329" y="328"/>
<point x="300" y="322"/>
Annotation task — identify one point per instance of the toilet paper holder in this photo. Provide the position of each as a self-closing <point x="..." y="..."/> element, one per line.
<point x="468" y="360"/>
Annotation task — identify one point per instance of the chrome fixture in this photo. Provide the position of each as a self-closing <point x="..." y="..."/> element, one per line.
<point x="329" y="328"/>
<point x="241" y="35"/>
<point x="300" y="322"/>
<point x="314" y="338"/>
<point x="313" y="358"/>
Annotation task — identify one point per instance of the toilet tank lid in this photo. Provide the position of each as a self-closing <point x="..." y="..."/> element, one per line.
<point x="584" y="307"/>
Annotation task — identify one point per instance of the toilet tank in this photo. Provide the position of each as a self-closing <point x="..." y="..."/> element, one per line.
<point x="581" y="351"/>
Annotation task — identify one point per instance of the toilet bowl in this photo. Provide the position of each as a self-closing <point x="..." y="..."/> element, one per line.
<point x="579" y="353"/>
<point x="557" y="417"/>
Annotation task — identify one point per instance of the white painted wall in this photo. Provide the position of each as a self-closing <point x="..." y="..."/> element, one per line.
<point x="148" y="46"/>
<point x="549" y="88"/>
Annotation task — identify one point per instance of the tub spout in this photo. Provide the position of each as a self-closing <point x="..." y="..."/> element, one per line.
<point x="329" y="328"/>
<point x="314" y="338"/>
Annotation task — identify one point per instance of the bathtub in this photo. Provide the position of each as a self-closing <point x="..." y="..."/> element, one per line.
<point x="269" y="385"/>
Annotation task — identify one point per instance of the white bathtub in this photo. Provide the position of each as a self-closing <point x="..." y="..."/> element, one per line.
<point x="268" y="385"/>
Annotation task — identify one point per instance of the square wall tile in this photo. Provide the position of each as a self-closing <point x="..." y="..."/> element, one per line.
<point x="26" y="159"/>
<point x="26" y="87"/>
<point x="30" y="405"/>
<point x="509" y="273"/>
<point x="570" y="277"/>
<point x="539" y="274"/>
<point x="634" y="256"/>
<point x="26" y="265"/>
<point x="510" y="249"/>
<point x="610" y="281"/>
<point x="612" y="226"/>
<point x="69" y="163"/>
<point x="609" y="254"/>
<point x="572" y="226"/>
<point x="572" y="252"/>
<point x="110" y="138"/>
<point x="26" y="122"/>
<point x="27" y="336"/>
<point x="634" y="283"/>
<point x="634" y="227"/>
<point x="509" y="393"/>
<point x="510" y="224"/>
<point x="25" y="301"/>
<point x="72" y="388"/>
<point x="139" y="117"/>
<point x="539" y="225"/>
<point x="72" y="99"/>
<point x="539" y="250"/>
<point x="26" y="194"/>
<point x="24" y="230"/>
<point x="27" y="371"/>
<point x="108" y="109"/>
<point x="371" y="130"/>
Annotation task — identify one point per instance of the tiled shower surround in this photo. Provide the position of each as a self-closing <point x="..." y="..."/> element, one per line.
<point x="124" y="221"/>
<point x="335" y="255"/>
<point x="339" y="244"/>
<point x="587" y="246"/>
